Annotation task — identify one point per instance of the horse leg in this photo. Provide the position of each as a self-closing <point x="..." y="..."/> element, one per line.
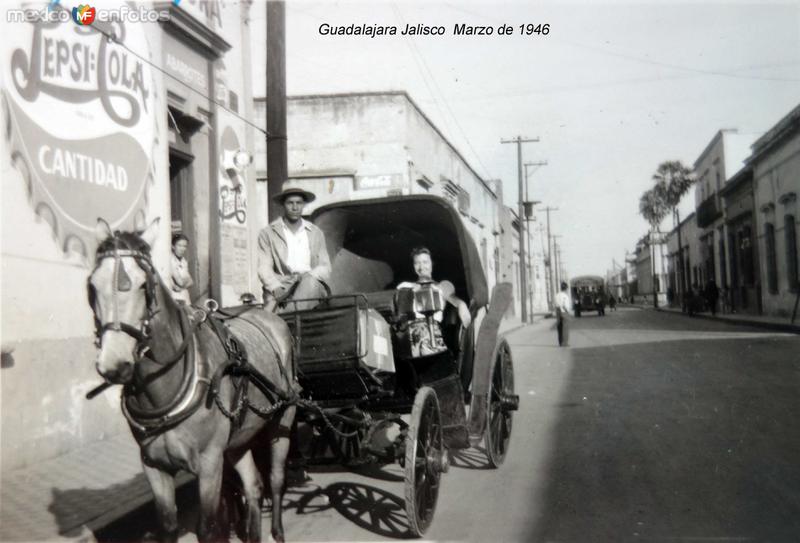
<point x="254" y="493"/>
<point x="279" y="448"/>
<point x="163" y="486"/>
<point x="209" y="482"/>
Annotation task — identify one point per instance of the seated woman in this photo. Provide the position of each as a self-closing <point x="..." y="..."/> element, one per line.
<point x="424" y="332"/>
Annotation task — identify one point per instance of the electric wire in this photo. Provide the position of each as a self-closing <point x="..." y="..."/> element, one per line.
<point x="414" y="49"/>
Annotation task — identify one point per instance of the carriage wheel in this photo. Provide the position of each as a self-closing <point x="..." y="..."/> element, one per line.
<point x="502" y="404"/>
<point x="425" y="460"/>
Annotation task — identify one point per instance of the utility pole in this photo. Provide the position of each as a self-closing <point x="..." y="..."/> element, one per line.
<point x="529" y="205"/>
<point x="546" y="272"/>
<point x="550" y="285"/>
<point x="277" y="168"/>
<point x="519" y="140"/>
<point x="653" y="267"/>
<point x="528" y="218"/>
<point x="556" y="252"/>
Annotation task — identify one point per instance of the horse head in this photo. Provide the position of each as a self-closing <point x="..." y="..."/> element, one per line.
<point x="121" y="292"/>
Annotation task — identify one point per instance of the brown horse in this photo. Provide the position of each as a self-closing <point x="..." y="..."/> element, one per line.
<point x="167" y="356"/>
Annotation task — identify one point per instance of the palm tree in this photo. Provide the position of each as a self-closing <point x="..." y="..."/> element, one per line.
<point x="672" y="180"/>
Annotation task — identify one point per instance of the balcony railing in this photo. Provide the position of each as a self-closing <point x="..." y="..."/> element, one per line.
<point x="708" y="211"/>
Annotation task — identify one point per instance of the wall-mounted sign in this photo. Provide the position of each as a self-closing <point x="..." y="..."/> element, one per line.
<point x="192" y="76"/>
<point x="387" y="181"/>
<point x="232" y="179"/>
<point x="82" y="127"/>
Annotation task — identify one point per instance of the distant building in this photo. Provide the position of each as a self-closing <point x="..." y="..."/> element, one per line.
<point x="681" y="279"/>
<point x="651" y="269"/>
<point x="617" y="281"/>
<point x="776" y="179"/>
<point x="720" y="160"/>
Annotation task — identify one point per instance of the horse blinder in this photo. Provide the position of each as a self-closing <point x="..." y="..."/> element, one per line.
<point x="124" y="284"/>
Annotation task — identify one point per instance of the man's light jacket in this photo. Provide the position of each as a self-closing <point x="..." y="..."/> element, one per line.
<point x="273" y="251"/>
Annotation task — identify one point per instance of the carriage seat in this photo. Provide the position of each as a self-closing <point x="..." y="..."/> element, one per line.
<point x="382" y="301"/>
<point x="343" y="348"/>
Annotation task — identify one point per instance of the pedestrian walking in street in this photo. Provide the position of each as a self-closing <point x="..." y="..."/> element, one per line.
<point x="612" y="303"/>
<point x="179" y="278"/>
<point x="712" y="295"/>
<point x="562" y="310"/>
<point x="293" y="262"/>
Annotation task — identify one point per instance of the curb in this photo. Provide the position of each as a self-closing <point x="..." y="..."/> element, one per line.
<point x="774" y="326"/>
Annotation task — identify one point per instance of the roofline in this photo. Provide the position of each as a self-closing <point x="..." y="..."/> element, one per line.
<point x="713" y="141"/>
<point x="405" y="95"/>
<point x="745" y="173"/>
<point x="783" y="128"/>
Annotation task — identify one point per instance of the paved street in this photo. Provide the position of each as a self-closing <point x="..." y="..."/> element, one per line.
<point x="649" y="427"/>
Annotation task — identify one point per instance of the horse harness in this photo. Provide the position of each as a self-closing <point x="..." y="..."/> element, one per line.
<point x="152" y="421"/>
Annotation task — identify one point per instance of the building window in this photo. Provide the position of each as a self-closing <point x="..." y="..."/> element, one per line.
<point x="723" y="271"/>
<point x="772" y="264"/>
<point x="790" y="235"/>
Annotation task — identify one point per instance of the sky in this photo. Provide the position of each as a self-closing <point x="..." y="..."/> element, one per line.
<point x="613" y="90"/>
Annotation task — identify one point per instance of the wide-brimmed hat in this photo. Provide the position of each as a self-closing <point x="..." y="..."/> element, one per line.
<point x="294" y="191"/>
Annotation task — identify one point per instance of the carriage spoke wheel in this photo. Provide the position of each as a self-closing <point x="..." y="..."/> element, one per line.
<point x="425" y="460"/>
<point x="501" y="417"/>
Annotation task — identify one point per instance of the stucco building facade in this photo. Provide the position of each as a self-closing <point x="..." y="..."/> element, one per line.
<point x="161" y="133"/>
<point x="776" y="179"/>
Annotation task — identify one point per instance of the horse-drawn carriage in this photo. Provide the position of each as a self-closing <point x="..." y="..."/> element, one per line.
<point x="200" y="383"/>
<point x="354" y="362"/>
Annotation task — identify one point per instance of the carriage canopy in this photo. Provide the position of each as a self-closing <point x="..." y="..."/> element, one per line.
<point x="370" y="244"/>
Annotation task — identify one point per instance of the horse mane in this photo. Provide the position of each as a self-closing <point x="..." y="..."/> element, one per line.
<point x="124" y="240"/>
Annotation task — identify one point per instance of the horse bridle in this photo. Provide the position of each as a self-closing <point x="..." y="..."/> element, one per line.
<point x="122" y="283"/>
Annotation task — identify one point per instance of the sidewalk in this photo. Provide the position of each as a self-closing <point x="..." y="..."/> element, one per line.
<point x="72" y="496"/>
<point x="759" y="321"/>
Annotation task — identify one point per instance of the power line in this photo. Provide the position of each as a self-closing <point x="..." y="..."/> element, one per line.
<point x="410" y="45"/>
<point x="111" y="37"/>
<point x="414" y="47"/>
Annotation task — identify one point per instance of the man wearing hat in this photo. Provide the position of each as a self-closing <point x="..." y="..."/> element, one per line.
<point x="293" y="261"/>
